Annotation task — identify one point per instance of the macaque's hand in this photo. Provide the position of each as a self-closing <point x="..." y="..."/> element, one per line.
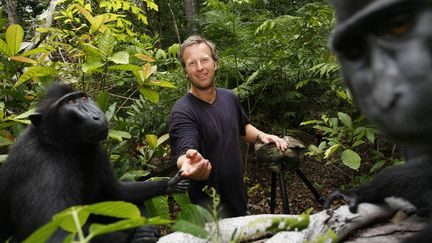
<point x="177" y="183"/>
<point x="281" y="144"/>
<point x="350" y="197"/>
<point x="195" y="166"/>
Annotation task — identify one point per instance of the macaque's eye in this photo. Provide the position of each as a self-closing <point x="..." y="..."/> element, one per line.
<point x="352" y="48"/>
<point x="400" y="24"/>
<point x="84" y="98"/>
<point x="71" y="101"/>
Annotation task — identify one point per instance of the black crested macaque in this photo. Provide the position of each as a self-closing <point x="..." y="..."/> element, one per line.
<point x="59" y="162"/>
<point x="385" y="51"/>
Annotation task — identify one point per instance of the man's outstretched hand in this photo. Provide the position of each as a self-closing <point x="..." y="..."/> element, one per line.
<point x="194" y="165"/>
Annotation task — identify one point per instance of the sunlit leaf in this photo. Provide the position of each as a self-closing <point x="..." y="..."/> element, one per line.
<point x="35" y="72"/>
<point x="23" y="59"/>
<point x="345" y="119"/>
<point x="144" y="57"/>
<point x="14" y="38"/>
<point x="120" y="57"/>
<point x="151" y="140"/>
<point x="330" y="151"/>
<point x="91" y="66"/>
<point x="150" y="95"/>
<point x="161" y="83"/>
<point x="351" y="159"/>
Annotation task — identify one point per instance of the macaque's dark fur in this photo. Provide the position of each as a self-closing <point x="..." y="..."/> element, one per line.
<point x="54" y="165"/>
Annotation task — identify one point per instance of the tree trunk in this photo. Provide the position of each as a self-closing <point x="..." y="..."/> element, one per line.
<point x="11" y="11"/>
<point x="191" y="9"/>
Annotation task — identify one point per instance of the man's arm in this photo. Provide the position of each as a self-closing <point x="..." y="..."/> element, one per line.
<point x="254" y="135"/>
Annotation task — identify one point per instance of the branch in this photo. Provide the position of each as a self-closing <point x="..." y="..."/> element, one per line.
<point x="39" y="37"/>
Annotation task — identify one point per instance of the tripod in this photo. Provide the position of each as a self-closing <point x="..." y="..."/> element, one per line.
<point x="280" y="171"/>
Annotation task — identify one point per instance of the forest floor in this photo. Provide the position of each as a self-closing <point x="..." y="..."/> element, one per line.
<point x="325" y="179"/>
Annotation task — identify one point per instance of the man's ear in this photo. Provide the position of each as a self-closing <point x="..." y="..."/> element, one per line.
<point x="216" y="66"/>
<point x="36" y="119"/>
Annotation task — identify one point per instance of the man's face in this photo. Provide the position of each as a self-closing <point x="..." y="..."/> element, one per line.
<point x="387" y="63"/>
<point x="200" y="66"/>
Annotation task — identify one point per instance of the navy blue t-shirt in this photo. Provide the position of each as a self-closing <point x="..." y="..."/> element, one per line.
<point x="214" y="130"/>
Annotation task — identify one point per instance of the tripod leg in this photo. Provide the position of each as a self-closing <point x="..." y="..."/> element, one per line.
<point x="273" y="192"/>
<point x="285" y="204"/>
<point x="309" y="185"/>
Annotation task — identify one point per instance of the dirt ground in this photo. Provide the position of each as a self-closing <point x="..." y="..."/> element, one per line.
<point x="325" y="179"/>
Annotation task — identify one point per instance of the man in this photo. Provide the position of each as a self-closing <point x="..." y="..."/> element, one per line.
<point x="206" y="126"/>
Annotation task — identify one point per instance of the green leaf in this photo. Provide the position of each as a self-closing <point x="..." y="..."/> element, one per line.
<point x="161" y="83"/>
<point x="120" y="57"/>
<point x="330" y="151"/>
<point x="158" y="206"/>
<point x="150" y="95"/>
<point x="3" y="158"/>
<point x="192" y="220"/>
<point x="351" y="159"/>
<point x="90" y="66"/>
<point x="190" y="228"/>
<point x="116" y="209"/>
<point x="106" y="45"/>
<point x="65" y="219"/>
<point x="103" y="100"/>
<point x="43" y="233"/>
<point x="345" y="119"/>
<point x="370" y="135"/>
<point x="118" y="135"/>
<point x="162" y="139"/>
<point x="126" y="67"/>
<point x="182" y="199"/>
<point x="35" y="72"/>
<point x="5" y="142"/>
<point x="14" y="38"/>
<point x="133" y="175"/>
<point x="99" y="229"/>
<point x="151" y="140"/>
<point x="5" y="49"/>
<point x="22" y="59"/>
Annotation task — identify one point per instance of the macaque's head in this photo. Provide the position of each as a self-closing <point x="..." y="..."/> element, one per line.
<point x="385" y="51"/>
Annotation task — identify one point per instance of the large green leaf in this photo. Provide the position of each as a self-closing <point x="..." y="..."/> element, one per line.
<point x="158" y="206"/>
<point x="91" y="66"/>
<point x="116" y="209"/>
<point x="36" y="71"/>
<point x="120" y="57"/>
<point x="345" y="119"/>
<point x="351" y="159"/>
<point x="161" y="83"/>
<point x="106" y="45"/>
<point x="190" y="228"/>
<point x="118" y="135"/>
<point x="126" y="67"/>
<point x="151" y="140"/>
<point x="162" y="139"/>
<point x="14" y="38"/>
<point x="150" y="95"/>
<point x="182" y="199"/>
<point x="42" y="234"/>
<point x="4" y="48"/>
<point x="99" y="229"/>
<point x="330" y="151"/>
